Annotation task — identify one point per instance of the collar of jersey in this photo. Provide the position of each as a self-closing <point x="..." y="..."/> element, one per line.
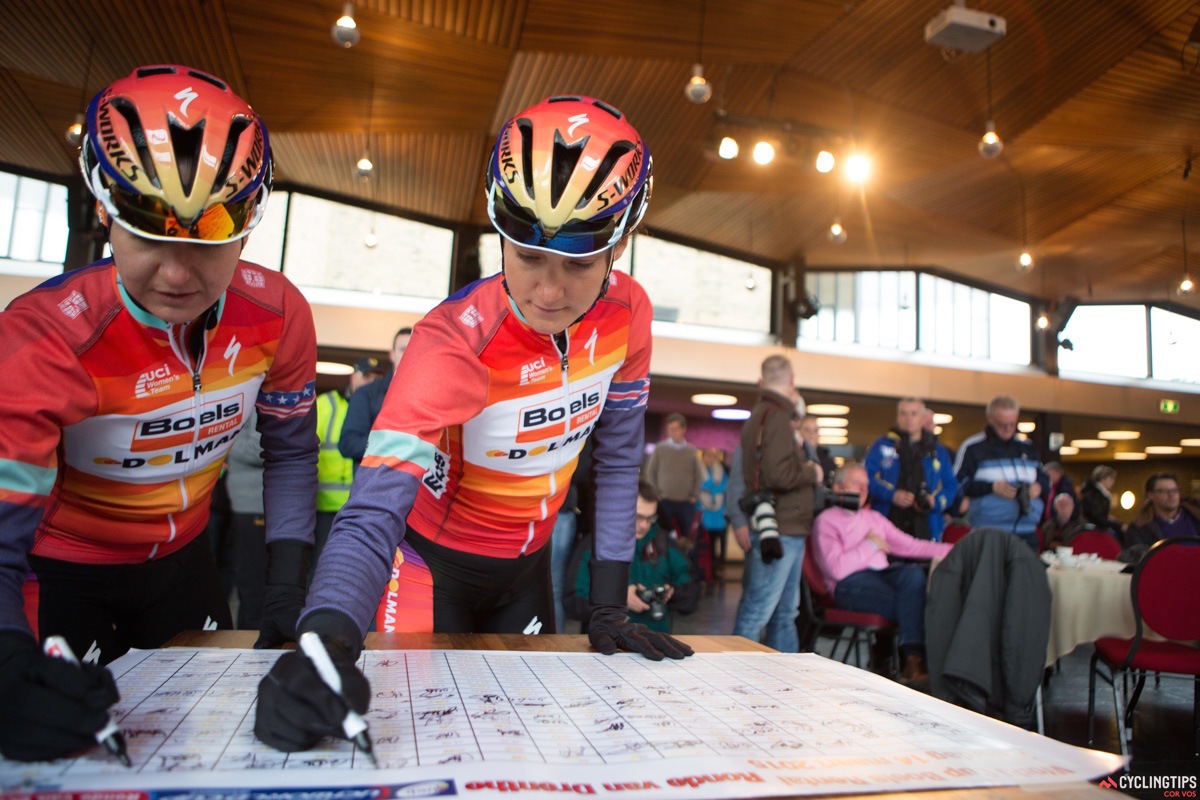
<point x="145" y="317"/>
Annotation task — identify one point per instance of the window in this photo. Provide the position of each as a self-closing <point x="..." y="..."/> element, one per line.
<point x="961" y="321"/>
<point x="33" y="226"/>
<point x="328" y="250"/>
<point x="698" y="288"/>
<point x="873" y="309"/>
<point x="1174" y="343"/>
<point x="1106" y="340"/>
<point x="265" y="243"/>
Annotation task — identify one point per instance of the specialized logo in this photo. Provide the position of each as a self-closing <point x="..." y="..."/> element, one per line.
<point x="534" y="627"/>
<point x="92" y="656"/>
<point x="535" y="371"/>
<point x="155" y="381"/>
<point x="471" y="317"/>
<point x="576" y="121"/>
<point x="73" y="305"/>
<point x="215" y="418"/>
<point x="187" y="96"/>
<point x="554" y="418"/>
<point x="231" y="352"/>
<point x="435" y="477"/>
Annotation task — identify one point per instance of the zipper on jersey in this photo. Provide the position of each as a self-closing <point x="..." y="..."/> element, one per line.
<point x="562" y="344"/>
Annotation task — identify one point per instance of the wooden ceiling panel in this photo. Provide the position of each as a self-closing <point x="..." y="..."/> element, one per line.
<point x="1099" y="117"/>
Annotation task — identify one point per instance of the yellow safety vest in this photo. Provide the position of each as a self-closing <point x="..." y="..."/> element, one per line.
<point x="334" y="472"/>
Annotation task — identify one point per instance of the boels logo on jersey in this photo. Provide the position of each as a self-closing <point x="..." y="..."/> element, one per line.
<point x="215" y="418"/>
<point x="545" y="420"/>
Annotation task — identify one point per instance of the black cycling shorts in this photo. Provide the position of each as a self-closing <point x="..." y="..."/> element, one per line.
<point x="103" y="610"/>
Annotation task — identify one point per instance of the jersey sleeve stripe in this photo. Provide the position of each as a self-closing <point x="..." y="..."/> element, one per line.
<point x="628" y="394"/>
<point x="397" y="446"/>
<point x="285" y="405"/>
<point x="20" y="478"/>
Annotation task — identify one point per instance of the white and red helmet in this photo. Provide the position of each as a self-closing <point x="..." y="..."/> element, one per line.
<point x="172" y="154"/>
<point x="569" y="175"/>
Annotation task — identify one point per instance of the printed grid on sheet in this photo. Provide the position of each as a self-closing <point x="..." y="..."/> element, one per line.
<point x="193" y="710"/>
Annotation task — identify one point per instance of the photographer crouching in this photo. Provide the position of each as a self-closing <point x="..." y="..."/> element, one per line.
<point x="660" y="581"/>
<point x="852" y="545"/>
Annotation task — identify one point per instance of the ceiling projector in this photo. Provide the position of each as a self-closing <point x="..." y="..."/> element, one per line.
<point x="960" y="28"/>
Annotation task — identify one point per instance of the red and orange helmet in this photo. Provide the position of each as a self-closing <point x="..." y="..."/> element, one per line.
<point x="172" y="154"/>
<point x="569" y="175"/>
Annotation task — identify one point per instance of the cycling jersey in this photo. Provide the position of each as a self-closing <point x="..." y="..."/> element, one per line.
<point x="117" y="423"/>
<point x="480" y="432"/>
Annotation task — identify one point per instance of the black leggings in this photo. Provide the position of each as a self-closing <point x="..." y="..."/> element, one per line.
<point x="479" y="594"/>
<point x="102" y="610"/>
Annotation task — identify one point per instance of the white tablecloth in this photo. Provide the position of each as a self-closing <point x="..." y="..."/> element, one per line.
<point x="1091" y="600"/>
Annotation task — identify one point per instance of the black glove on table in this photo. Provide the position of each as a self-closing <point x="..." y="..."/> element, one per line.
<point x="610" y="629"/>
<point x="51" y="707"/>
<point x="287" y="576"/>
<point x="296" y="709"/>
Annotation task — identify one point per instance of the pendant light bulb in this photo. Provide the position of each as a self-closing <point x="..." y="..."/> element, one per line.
<point x="1043" y="322"/>
<point x="75" y="131"/>
<point x="764" y="152"/>
<point x="364" y="167"/>
<point x="1186" y="286"/>
<point x="345" y="31"/>
<point x="837" y="234"/>
<point x="990" y="146"/>
<point x="698" y="90"/>
<point x="1025" y="262"/>
<point x="728" y="148"/>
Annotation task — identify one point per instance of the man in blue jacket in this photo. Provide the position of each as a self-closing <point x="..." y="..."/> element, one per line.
<point x="365" y="405"/>
<point x="912" y="480"/>
<point x="1001" y="475"/>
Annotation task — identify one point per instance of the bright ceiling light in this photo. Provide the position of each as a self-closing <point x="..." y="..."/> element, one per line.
<point x="764" y="152"/>
<point x="835" y="432"/>
<point x="371" y="240"/>
<point x="937" y="430"/>
<point x="364" y="166"/>
<point x="833" y="422"/>
<point x="1043" y="322"/>
<point x="1186" y="286"/>
<point x="825" y="161"/>
<point x="75" y="131"/>
<point x="858" y="168"/>
<point x="1025" y="264"/>
<point x="1129" y="456"/>
<point x="728" y="148"/>
<point x="943" y="419"/>
<point x="1127" y="499"/>
<point x="1067" y="450"/>
<point x="1089" y="444"/>
<point x="990" y="145"/>
<point x="1027" y="427"/>
<point x="345" y="31"/>
<point x="1119" y="436"/>
<point x="836" y="233"/>
<point x="1163" y="450"/>
<point x="731" y="413"/>
<point x="832" y="409"/>
<point x="333" y="368"/>
<point x="713" y="399"/>
<point x="1190" y="442"/>
<point x="832" y="440"/>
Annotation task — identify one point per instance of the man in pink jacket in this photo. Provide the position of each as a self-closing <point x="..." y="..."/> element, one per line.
<point x="852" y="548"/>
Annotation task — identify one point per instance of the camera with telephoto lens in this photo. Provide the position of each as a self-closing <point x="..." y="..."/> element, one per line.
<point x="655" y="597"/>
<point x="847" y="500"/>
<point x="922" y="500"/>
<point x="1023" y="497"/>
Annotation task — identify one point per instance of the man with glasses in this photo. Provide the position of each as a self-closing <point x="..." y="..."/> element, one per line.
<point x="659" y="577"/>
<point x="127" y="382"/>
<point x="1165" y="513"/>
<point x="999" y="474"/>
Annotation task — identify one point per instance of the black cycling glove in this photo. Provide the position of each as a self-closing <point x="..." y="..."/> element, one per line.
<point x="296" y="709"/>
<point x="51" y="707"/>
<point x="610" y="629"/>
<point x="287" y="576"/>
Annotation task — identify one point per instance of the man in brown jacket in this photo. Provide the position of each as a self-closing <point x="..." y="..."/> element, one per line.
<point x="775" y="467"/>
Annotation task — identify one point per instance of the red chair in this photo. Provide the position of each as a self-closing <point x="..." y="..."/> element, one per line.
<point x="1166" y="593"/>
<point x="1094" y="541"/>
<point x="955" y="532"/>
<point x="821" y="616"/>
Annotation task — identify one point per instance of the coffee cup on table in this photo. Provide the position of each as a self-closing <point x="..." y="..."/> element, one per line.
<point x="1066" y="556"/>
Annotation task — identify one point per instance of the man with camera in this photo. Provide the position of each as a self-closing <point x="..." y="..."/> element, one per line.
<point x="778" y="501"/>
<point x="912" y="480"/>
<point x="852" y="545"/>
<point x="659" y="576"/>
<point x="1001" y="475"/>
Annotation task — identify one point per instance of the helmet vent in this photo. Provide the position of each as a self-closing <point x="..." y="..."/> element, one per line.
<point x="525" y="126"/>
<point x="220" y="84"/>
<point x="134" y="121"/>
<point x="614" y="154"/>
<point x="564" y="98"/>
<point x="150" y="72"/>
<point x="606" y="107"/>
<point x="236" y="128"/>
<point x="186" y="142"/>
<point x="563" y="160"/>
